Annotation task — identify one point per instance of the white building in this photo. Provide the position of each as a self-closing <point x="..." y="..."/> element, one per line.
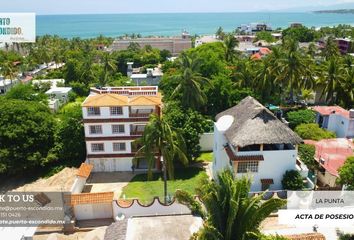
<point x="206" y="39"/>
<point x="114" y="118"/>
<point x="253" y="28"/>
<point x="336" y="119"/>
<point x="152" y="76"/>
<point x="249" y="139"/>
<point x="58" y="96"/>
<point x="6" y="84"/>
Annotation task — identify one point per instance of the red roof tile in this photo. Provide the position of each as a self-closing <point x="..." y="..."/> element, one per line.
<point x="84" y="170"/>
<point x="327" y="110"/>
<point x="89" y="198"/>
<point x="334" y="152"/>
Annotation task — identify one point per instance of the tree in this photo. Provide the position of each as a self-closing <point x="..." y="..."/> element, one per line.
<point x="313" y="132"/>
<point x="26" y="135"/>
<point x="220" y="34"/>
<point x="301" y="34"/>
<point x="331" y="76"/>
<point x="292" y="180"/>
<point x="26" y="92"/>
<point x="307" y="155"/>
<point x="8" y="70"/>
<point x="230" y="44"/>
<point x="230" y="212"/>
<point x="159" y="138"/>
<point x="264" y="35"/>
<point x="293" y="68"/>
<point x="296" y="118"/>
<point x="331" y="49"/>
<point x="70" y="144"/>
<point x="190" y="83"/>
<point x="346" y="173"/>
<point x="109" y="66"/>
<point x="191" y="124"/>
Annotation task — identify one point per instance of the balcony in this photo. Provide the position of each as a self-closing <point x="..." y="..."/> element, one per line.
<point x="141" y="113"/>
<point x="137" y="130"/>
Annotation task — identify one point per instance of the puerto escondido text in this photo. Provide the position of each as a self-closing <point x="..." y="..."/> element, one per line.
<point x="6" y="29"/>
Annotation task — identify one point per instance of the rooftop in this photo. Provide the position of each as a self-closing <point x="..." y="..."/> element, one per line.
<point x="255" y="124"/>
<point x="59" y="90"/>
<point x="328" y="110"/>
<point x="84" y="170"/>
<point x="332" y="152"/>
<point x="110" y="99"/>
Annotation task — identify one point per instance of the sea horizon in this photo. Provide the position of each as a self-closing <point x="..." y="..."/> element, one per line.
<point x="90" y="25"/>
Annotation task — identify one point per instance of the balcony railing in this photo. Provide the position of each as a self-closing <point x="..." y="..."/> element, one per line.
<point x="136" y="133"/>
<point x="141" y="113"/>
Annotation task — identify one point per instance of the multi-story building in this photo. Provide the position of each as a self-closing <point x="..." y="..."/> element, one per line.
<point x="251" y="141"/>
<point x="345" y="45"/>
<point x="175" y="45"/>
<point x="114" y="118"/>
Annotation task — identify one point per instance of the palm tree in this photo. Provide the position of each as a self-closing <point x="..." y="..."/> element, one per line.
<point x="331" y="49"/>
<point x="190" y="83"/>
<point x="230" y="44"/>
<point x="330" y="77"/>
<point x="293" y="69"/>
<point x="231" y="213"/>
<point x="8" y="70"/>
<point x="109" y="66"/>
<point x="160" y="138"/>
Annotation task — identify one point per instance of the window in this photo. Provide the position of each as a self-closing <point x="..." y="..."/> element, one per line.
<point x="93" y="111"/>
<point x="96" y="129"/>
<point x="250" y="166"/>
<point x="118" y="129"/>
<point x="118" y="147"/>
<point x="116" y="110"/>
<point x="97" y="147"/>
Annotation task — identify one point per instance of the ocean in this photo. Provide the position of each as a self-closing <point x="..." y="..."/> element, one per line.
<point x="172" y="24"/>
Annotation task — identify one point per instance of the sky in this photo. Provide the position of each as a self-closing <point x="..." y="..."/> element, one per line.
<point x="43" y="7"/>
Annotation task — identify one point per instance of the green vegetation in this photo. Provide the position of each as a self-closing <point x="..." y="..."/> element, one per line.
<point x="312" y="131"/>
<point x="307" y="155"/>
<point x="301" y="34"/>
<point x="230" y="213"/>
<point x="296" y="118"/>
<point x="346" y="173"/>
<point x="205" y="157"/>
<point x="265" y="36"/>
<point x="160" y="138"/>
<point x="26" y="136"/>
<point x="186" y="179"/>
<point x="292" y="180"/>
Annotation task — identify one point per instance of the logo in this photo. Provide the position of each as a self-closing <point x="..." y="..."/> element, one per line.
<point x="17" y="27"/>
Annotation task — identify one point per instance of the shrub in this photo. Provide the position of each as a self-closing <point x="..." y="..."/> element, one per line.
<point x="313" y="131"/>
<point x="306" y="154"/>
<point x="346" y="173"/>
<point x="296" y="118"/>
<point x="292" y="180"/>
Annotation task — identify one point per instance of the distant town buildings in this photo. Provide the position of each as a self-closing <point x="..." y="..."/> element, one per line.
<point x="336" y="119"/>
<point x="253" y="28"/>
<point x="58" y="96"/>
<point x="251" y="141"/>
<point x="114" y="117"/>
<point x="152" y="76"/>
<point x="345" y="45"/>
<point x="175" y="45"/>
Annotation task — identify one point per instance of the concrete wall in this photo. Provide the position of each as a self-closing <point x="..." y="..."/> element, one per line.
<point x="338" y="124"/>
<point x="78" y="185"/>
<point x="111" y="164"/>
<point x="327" y="179"/>
<point x="108" y="147"/>
<point x="206" y="142"/>
<point x="93" y="211"/>
<point x="105" y="113"/>
<point x="155" y="208"/>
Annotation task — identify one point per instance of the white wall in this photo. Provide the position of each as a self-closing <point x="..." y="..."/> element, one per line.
<point x="78" y="185"/>
<point x="338" y="124"/>
<point x="105" y="113"/>
<point x="107" y="129"/>
<point x="275" y="164"/>
<point x="206" y="142"/>
<point x="93" y="211"/>
<point x="221" y="160"/>
<point x="108" y="147"/>
<point x="111" y="164"/>
<point x="154" y="209"/>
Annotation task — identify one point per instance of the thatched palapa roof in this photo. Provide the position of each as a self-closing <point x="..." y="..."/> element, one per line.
<point x="255" y="124"/>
